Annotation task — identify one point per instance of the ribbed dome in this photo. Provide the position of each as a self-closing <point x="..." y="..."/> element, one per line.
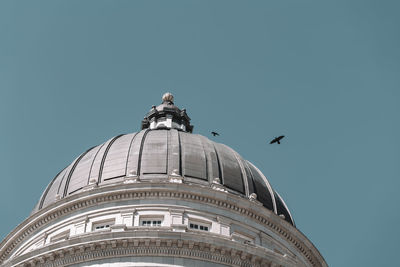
<point x="158" y="153"/>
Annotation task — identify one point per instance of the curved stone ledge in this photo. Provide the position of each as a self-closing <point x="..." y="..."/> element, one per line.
<point x="201" y="194"/>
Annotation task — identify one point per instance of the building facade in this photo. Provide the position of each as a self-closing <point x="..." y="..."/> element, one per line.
<point x="159" y="197"/>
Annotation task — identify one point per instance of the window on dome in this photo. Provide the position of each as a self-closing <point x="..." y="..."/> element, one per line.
<point x="199" y="226"/>
<point x="151" y="221"/>
<point x="104" y="225"/>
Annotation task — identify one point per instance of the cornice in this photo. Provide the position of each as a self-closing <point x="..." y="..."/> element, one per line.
<point x="153" y="190"/>
<point x="101" y="246"/>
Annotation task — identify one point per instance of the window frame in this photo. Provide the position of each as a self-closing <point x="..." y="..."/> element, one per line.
<point x="151" y="219"/>
<point x="197" y="225"/>
<point x="103" y="225"/>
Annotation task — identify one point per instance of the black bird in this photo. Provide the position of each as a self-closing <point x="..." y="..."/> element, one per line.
<point x="277" y="139"/>
<point x="215" y="133"/>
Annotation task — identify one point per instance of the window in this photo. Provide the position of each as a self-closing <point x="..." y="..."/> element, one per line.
<point x="148" y="222"/>
<point x="103" y="225"/>
<point x="199" y="226"/>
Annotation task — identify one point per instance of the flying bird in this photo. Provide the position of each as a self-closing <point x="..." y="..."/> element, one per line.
<point x="277" y="139"/>
<point x="215" y="133"/>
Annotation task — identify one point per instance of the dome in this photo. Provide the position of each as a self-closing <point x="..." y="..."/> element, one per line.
<point x="165" y="149"/>
<point x="162" y="196"/>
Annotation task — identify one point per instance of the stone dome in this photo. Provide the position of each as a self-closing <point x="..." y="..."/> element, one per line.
<point x="164" y="150"/>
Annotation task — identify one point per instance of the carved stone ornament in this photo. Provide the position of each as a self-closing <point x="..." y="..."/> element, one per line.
<point x="132" y="177"/>
<point x="174" y="177"/>
<point x="216" y="185"/>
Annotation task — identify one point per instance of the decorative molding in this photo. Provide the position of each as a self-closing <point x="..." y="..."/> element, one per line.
<point x="116" y="248"/>
<point x="47" y="215"/>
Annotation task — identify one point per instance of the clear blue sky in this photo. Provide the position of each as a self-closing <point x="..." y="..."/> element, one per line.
<point x="324" y="73"/>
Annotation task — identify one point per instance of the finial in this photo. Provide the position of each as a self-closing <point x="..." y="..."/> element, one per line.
<point x="168" y="97"/>
<point x="253" y="197"/>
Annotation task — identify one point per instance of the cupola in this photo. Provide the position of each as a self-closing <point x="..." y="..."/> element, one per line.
<point x="167" y="116"/>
